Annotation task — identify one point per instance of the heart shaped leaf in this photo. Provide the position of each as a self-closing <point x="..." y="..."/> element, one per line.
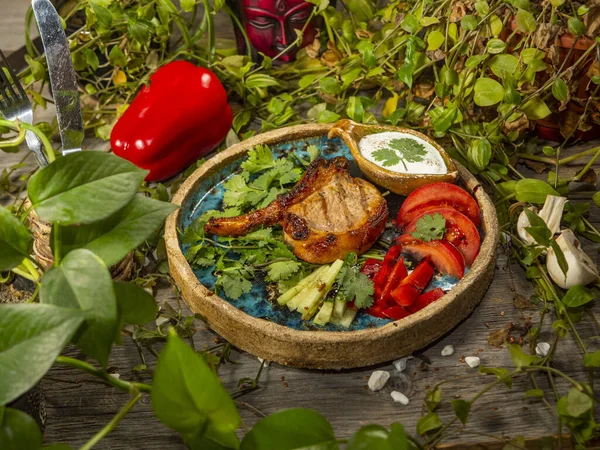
<point x="187" y="395"/>
<point x="83" y="187"/>
<point x="82" y="281"/>
<point x="31" y="337"/>
<point x="15" y="240"/>
<point x="112" y="238"/>
<point x="19" y="431"/>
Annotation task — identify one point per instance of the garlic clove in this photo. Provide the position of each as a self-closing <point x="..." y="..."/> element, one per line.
<point x="551" y="213"/>
<point x="522" y="223"/>
<point x="582" y="269"/>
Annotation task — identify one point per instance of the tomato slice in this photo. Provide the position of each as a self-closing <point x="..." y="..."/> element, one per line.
<point x="425" y="299"/>
<point x="436" y="195"/>
<point x="409" y="289"/>
<point x="381" y="279"/>
<point x="444" y="256"/>
<point x="396" y="312"/>
<point x="460" y="232"/>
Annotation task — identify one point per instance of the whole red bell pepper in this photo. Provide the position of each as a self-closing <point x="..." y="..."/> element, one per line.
<point x="180" y="116"/>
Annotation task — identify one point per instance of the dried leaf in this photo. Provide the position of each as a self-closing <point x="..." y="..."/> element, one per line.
<point x="424" y="90"/>
<point x="498" y="337"/>
<point x="520" y="302"/>
<point x="521" y="124"/>
<point x="312" y="49"/>
<point x="332" y="55"/>
<point x="459" y="10"/>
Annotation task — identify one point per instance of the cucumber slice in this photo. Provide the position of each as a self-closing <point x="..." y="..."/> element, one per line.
<point x="309" y="305"/>
<point x="324" y="315"/>
<point x="297" y="299"/>
<point x="348" y="317"/>
<point x="304" y="282"/>
<point x="339" y="307"/>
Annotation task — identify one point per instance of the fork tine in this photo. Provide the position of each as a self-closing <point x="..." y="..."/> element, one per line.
<point x="16" y="83"/>
<point x="4" y="81"/>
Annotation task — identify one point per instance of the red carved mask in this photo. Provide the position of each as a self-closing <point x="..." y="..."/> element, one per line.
<point x="270" y="25"/>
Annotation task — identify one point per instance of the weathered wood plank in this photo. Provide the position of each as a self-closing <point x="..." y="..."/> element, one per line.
<point x="77" y="411"/>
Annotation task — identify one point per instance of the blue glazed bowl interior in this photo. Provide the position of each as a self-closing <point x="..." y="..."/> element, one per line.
<point x="208" y="195"/>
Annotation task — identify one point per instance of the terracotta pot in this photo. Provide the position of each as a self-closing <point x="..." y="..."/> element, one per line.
<point x="549" y="128"/>
<point x="324" y="349"/>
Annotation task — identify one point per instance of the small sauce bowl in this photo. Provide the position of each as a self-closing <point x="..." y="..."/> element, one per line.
<point x="399" y="183"/>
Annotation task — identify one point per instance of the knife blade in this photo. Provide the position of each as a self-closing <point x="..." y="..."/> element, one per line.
<point x="62" y="75"/>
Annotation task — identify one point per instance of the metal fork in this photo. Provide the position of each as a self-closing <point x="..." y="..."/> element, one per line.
<point x="14" y="104"/>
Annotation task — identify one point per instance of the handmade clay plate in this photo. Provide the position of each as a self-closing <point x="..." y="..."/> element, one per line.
<point x="254" y="324"/>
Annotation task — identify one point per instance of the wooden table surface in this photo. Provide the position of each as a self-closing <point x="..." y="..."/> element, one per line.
<point x="78" y="407"/>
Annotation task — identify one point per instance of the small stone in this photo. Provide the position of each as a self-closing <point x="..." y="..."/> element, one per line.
<point x="400" y="364"/>
<point x="472" y="361"/>
<point x="378" y="379"/>
<point x="266" y="363"/>
<point x="542" y="349"/>
<point x="115" y="375"/>
<point x="447" y="350"/>
<point x="399" y="397"/>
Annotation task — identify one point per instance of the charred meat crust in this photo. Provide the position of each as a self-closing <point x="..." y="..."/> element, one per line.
<point x="324" y="248"/>
<point x="325" y="216"/>
<point x="318" y="174"/>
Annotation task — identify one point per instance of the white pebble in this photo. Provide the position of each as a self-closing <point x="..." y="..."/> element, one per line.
<point x="115" y="375"/>
<point x="472" y="361"/>
<point x="447" y="350"/>
<point x="400" y="364"/>
<point x="266" y="363"/>
<point x="542" y="349"/>
<point x="378" y="379"/>
<point x="399" y="397"/>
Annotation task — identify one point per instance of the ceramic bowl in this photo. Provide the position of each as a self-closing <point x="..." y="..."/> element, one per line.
<point x="399" y="183"/>
<point x="254" y="324"/>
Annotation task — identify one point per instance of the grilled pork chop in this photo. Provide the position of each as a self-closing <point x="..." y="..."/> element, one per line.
<point x="326" y="216"/>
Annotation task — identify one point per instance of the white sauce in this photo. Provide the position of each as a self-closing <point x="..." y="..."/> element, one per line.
<point x="430" y="160"/>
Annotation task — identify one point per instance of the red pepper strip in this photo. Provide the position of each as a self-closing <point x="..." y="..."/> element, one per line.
<point x="399" y="273"/>
<point x="409" y="289"/>
<point x="425" y="299"/>
<point x="377" y="310"/>
<point x="371" y="267"/>
<point x="396" y="312"/>
<point x="179" y="116"/>
<point x="387" y="265"/>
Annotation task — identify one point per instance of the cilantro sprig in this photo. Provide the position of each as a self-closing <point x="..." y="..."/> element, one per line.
<point x="355" y="285"/>
<point x="400" y="150"/>
<point x="239" y="261"/>
<point x="430" y="227"/>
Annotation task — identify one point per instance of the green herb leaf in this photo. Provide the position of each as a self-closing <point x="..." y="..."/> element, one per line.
<point x="519" y="358"/>
<point x="525" y="21"/>
<point x="187" y="396"/>
<point x="282" y="270"/>
<point x="430" y="227"/>
<point x="429" y="422"/>
<point x="83" y="282"/>
<point x="105" y="181"/>
<point x="487" y="92"/>
<point x="234" y="285"/>
<point x="187" y="5"/>
<point x="461" y="409"/>
<point x="291" y="429"/>
<point x="387" y="156"/>
<point x="410" y="24"/>
<point x="433" y="398"/>
<point x="576" y="26"/>
<point x="15" y="240"/>
<point x="535" y="109"/>
<point x="592" y="359"/>
<point x="326" y="116"/>
<point x="468" y="22"/>
<point x="559" y="90"/>
<point x="31" y="337"/>
<point x="533" y="190"/>
<point x="499" y="372"/>
<point x="18" y="431"/>
<point x="534" y="393"/>
<point x="578" y="296"/>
